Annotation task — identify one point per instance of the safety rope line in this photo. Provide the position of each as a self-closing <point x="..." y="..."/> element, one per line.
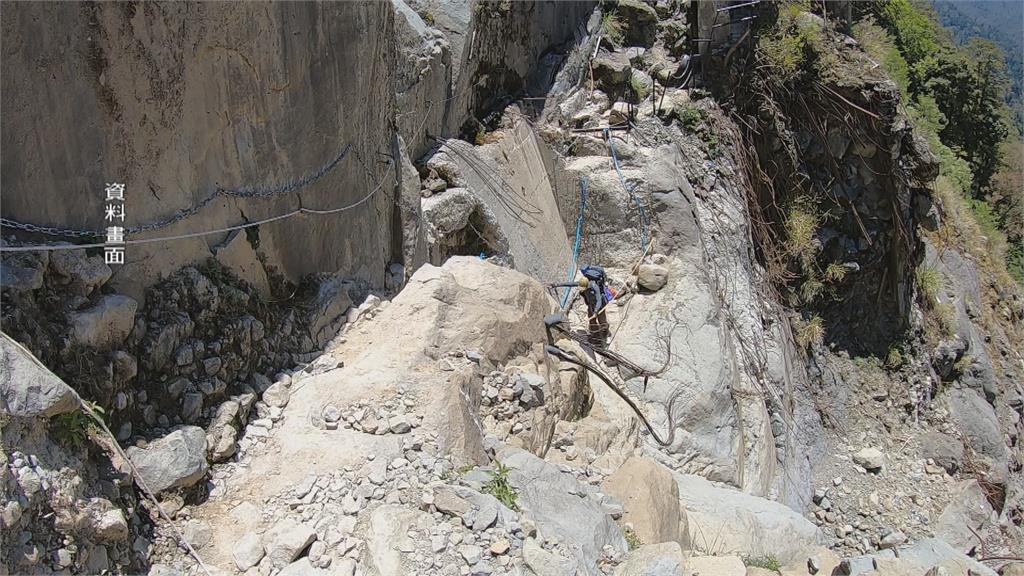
<point x="295" y="212"/>
<point x="629" y="189"/>
<point x="577" y="242"/>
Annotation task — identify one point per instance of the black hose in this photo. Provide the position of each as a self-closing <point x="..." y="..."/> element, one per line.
<point x="565" y="356"/>
<point x="617" y="357"/>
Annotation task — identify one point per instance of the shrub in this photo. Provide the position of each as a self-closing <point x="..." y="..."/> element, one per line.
<point x="964" y="363"/>
<point x="881" y="47"/>
<point x="74" y="427"/>
<point x="796" y="42"/>
<point x="690" y="116"/>
<point x="499" y="486"/>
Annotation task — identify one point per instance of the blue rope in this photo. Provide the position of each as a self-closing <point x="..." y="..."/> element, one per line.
<point x="629" y="190"/>
<point x="577" y="242"/>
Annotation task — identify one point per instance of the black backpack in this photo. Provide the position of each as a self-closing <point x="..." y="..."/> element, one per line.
<point x="599" y="286"/>
<point x="594" y="274"/>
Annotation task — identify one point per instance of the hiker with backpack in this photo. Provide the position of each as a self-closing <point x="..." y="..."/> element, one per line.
<point x="593" y="288"/>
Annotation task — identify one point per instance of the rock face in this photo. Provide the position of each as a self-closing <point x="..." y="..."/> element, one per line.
<point x="131" y="147"/>
<point x="176" y="460"/>
<point x="648" y="493"/>
<point x="412" y="100"/>
<point x="29" y="389"/>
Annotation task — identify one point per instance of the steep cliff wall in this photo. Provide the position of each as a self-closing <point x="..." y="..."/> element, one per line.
<point x="178" y="101"/>
<point x="175" y="100"/>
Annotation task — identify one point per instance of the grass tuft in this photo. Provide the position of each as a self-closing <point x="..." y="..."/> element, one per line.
<point x="894" y="359"/>
<point x="611" y="28"/>
<point x="835" y="272"/>
<point x="632" y="539"/>
<point x="946" y="316"/>
<point x="767" y="562"/>
<point x="930" y="282"/>
<point x="499" y="486"/>
<point x="801" y="227"/>
<point x="74" y="427"/>
<point x="810" y="332"/>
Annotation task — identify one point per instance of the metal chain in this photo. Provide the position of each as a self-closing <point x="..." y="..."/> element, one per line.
<point x="244" y="192"/>
<point x="49" y="230"/>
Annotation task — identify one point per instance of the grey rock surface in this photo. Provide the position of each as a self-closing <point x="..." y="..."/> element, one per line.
<point x="743" y="524"/>
<point x="27" y="388"/>
<point x="559" y="506"/>
<point x="285" y="541"/>
<point x="943" y="449"/>
<point x="664" y="559"/>
<point x="248" y="551"/>
<point x="175" y="460"/>
<point x="107" y="323"/>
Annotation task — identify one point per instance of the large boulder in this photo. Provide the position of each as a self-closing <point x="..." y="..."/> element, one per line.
<point x="82" y="274"/>
<point x="248" y="551"/>
<point x="726" y="521"/>
<point x="105" y="324"/>
<point x="652" y="276"/>
<point x="27" y="388"/>
<point x="612" y="69"/>
<point x="649" y="496"/>
<point x="448" y="212"/>
<point x="638" y="22"/>
<point x="561" y="507"/>
<point x="177" y="460"/>
<point x="388" y="528"/>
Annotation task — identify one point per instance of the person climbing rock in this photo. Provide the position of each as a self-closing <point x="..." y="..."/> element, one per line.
<point x="593" y="287"/>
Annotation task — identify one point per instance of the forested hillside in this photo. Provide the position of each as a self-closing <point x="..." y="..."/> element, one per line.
<point x="957" y="94"/>
<point x="998" y="21"/>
